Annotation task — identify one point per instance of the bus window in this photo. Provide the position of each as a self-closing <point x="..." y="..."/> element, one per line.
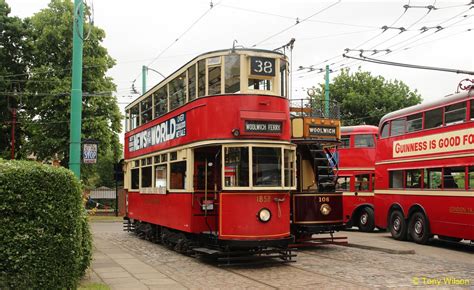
<point x="471" y="173"/>
<point x="454" y="114"/>
<point x="434" y="118"/>
<point x="266" y="166"/>
<point x="160" y="177"/>
<point x="161" y="102"/>
<point x="135" y="178"/>
<point x="433" y="178"/>
<point x="192" y="83"/>
<point x="343" y="183"/>
<point x="201" y="78"/>
<point x="283" y="78"/>
<point x="414" y="122"/>
<point x="398" y="127"/>
<point x="413" y="178"/>
<point x="365" y="140"/>
<point x="454" y="177"/>
<point x="146" y="172"/>
<point x="146" y="109"/>
<point x="345" y="141"/>
<point x="396" y="179"/>
<point x="384" y="133"/>
<point x="177" y="91"/>
<point x="177" y="175"/>
<point x="236" y="168"/>
<point x="134" y="117"/>
<point x="214" y="76"/>
<point x="232" y="73"/>
<point x="362" y="182"/>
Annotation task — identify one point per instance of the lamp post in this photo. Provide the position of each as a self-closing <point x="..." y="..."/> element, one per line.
<point x="145" y="70"/>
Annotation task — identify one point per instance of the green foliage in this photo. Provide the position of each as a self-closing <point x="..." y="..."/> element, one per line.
<point x="45" y="241"/>
<point x="364" y="98"/>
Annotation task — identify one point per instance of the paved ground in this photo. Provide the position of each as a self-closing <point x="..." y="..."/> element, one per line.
<point x="123" y="261"/>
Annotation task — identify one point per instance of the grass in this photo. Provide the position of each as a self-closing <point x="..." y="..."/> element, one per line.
<point x="93" y="286"/>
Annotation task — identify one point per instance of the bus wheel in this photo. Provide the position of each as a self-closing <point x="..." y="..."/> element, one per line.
<point x="418" y="228"/>
<point x="398" y="226"/>
<point x="366" y="221"/>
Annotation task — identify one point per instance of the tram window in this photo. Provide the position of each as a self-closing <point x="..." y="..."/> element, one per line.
<point x="289" y="158"/>
<point x="413" y="178"/>
<point x="192" y="83"/>
<point x="343" y="183"/>
<point x="146" y="176"/>
<point x="173" y="156"/>
<point x="146" y="109"/>
<point x="177" y="175"/>
<point x="454" y="114"/>
<point x="201" y="78"/>
<point x="146" y="161"/>
<point x="414" y="122"/>
<point x="266" y="166"/>
<point x="177" y="91"/>
<point x="161" y="102"/>
<point x="135" y="182"/>
<point x="362" y="182"/>
<point x="262" y="85"/>
<point x="236" y="169"/>
<point x="232" y="73"/>
<point x="433" y="178"/>
<point x="396" y="179"/>
<point x="134" y="117"/>
<point x="472" y="109"/>
<point x="471" y="175"/>
<point x="283" y="78"/>
<point x="434" y="118"/>
<point x="398" y="127"/>
<point x="454" y="177"/>
<point x="164" y="157"/>
<point x="385" y="127"/>
<point x="365" y="140"/>
<point x="345" y="141"/>
<point x="160" y="177"/>
<point x="214" y="80"/>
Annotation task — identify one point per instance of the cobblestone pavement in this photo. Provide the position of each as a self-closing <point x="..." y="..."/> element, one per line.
<point x="327" y="266"/>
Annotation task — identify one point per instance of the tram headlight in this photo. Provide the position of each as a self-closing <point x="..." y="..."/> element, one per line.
<point x="264" y="215"/>
<point x="325" y="209"/>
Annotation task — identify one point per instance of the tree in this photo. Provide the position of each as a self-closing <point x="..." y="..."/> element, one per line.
<point x="364" y="98"/>
<point x="48" y="88"/>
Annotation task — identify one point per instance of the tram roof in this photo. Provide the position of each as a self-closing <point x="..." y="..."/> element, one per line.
<point x="201" y="56"/>
<point x="359" y="129"/>
<point x="440" y="102"/>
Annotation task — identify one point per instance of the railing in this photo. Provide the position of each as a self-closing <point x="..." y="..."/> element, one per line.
<point x="315" y="108"/>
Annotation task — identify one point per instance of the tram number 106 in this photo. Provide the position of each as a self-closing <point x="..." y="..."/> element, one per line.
<point x="262" y="66"/>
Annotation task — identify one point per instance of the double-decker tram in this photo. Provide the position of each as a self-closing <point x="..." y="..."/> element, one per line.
<point x="425" y="170"/>
<point x="356" y="175"/>
<point x="316" y="205"/>
<point x="209" y="162"/>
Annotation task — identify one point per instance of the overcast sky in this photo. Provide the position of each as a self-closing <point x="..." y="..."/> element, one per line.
<point x="140" y="30"/>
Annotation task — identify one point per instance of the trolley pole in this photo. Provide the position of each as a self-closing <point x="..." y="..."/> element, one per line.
<point x="76" y="90"/>
<point x="144" y="71"/>
<point x="326" y="92"/>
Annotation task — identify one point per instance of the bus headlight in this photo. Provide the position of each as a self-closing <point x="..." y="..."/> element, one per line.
<point x="264" y="215"/>
<point x="325" y="209"/>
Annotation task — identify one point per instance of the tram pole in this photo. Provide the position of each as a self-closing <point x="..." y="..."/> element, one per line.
<point x="76" y="90"/>
<point x="326" y="92"/>
<point x="144" y="71"/>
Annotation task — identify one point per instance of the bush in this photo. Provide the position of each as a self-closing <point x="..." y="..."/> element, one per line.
<point x="45" y="241"/>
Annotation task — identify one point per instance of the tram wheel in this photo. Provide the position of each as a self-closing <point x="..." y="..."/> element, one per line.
<point x="418" y="228"/>
<point x="366" y="221"/>
<point x="398" y="226"/>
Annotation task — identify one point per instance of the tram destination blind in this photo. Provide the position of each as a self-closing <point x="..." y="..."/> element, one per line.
<point x="262" y="127"/>
<point x="262" y="66"/>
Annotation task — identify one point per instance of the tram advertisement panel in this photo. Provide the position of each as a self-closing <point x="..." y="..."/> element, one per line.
<point x="436" y="143"/>
<point x="168" y="130"/>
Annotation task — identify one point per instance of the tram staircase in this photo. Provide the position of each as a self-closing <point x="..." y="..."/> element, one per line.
<point x="325" y="174"/>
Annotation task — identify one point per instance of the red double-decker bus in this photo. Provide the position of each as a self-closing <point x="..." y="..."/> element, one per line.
<point x="356" y="175"/>
<point x="209" y="162"/>
<point x="425" y="170"/>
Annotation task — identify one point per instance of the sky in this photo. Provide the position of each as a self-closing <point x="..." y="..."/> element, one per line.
<point x="164" y="35"/>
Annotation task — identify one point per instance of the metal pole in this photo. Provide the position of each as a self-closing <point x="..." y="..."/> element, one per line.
<point x="326" y="92"/>
<point x="116" y="193"/>
<point x="13" y="132"/>
<point x="144" y="71"/>
<point x="76" y="90"/>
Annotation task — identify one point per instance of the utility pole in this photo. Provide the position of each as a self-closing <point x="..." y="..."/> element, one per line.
<point x="326" y="92"/>
<point x="76" y="90"/>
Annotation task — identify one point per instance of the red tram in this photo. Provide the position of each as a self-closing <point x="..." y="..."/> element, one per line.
<point x="356" y="175"/>
<point x="425" y="170"/>
<point x="209" y="162"/>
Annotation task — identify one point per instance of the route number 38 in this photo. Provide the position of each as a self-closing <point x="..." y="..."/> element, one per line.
<point x="263" y="66"/>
